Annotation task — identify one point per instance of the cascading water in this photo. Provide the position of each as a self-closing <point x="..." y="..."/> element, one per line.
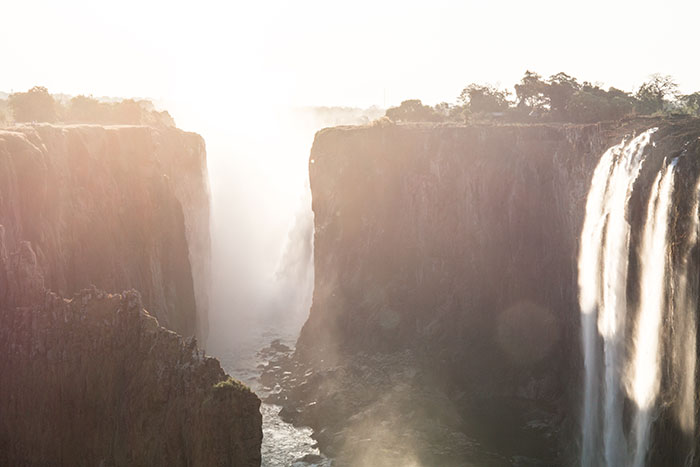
<point x="659" y="358"/>
<point x="603" y="259"/>
<point x="644" y="381"/>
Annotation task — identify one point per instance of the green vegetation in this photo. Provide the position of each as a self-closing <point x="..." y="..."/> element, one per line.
<point x="484" y="98"/>
<point x="34" y="105"/>
<point x="559" y="98"/>
<point x="38" y="105"/>
<point x="231" y="384"/>
<point x="413" y="111"/>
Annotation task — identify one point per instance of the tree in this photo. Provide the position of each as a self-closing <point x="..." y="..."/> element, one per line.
<point x="87" y="109"/>
<point x="413" y="111"/>
<point x="450" y="112"/>
<point x="127" y="112"/>
<point x="589" y="107"/>
<point x="652" y="95"/>
<point x="484" y="99"/>
<point x="691" y="104"/>
<point x="560" y="89"/>
<point x="35" y="105"/>
<point x="532" y="94"/>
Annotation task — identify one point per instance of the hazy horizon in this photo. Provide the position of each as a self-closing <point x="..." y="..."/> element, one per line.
<point x="315" y="53"/>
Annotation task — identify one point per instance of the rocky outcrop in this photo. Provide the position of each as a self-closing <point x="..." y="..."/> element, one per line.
<point x="94" y="380"/>
<point x="457" y="246"/>
<point x="90" y="377"/>
<point x="117" y="207"/>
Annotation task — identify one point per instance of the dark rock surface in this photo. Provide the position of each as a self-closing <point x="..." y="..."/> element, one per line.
<point x="94" y="380"/>
<point x="119" y="207"/>
<point x="445" y="319"/>
<point x="89" y="377"/>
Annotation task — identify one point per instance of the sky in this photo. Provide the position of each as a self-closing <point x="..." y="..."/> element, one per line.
<point x="204" y="54"/>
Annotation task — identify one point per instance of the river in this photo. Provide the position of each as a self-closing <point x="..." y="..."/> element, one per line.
<point x="283" y="444"/>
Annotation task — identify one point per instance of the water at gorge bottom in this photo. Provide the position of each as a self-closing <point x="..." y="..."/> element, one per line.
<point x="283" y="444"/>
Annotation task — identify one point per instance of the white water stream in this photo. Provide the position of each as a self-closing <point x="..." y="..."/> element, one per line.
<point x="644" y="380"/>
<point x="603" y="260"/>
<point x="623" y="397"/>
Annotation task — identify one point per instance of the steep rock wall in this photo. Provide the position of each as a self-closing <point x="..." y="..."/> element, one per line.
<point x="439" y="238"/>
<point x="116" y="207"/>
<point x="459" y="245"/>
<point x="94" y="380"/>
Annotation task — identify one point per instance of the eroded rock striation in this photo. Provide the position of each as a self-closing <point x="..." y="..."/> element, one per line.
<point x="446" y="274"/>
<point x="89" y="377"/>
<point x="94" y="380"/>
<point x="117" y="207"/>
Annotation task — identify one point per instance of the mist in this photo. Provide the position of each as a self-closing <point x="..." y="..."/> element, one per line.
<point x="261" y="220"/>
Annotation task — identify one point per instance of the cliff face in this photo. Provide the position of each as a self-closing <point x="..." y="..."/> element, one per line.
<point x="90" y="377"/>
<point x="115" y="207"/>
<point x="458" y="247"/>
<point x="459" y="242"/>
<point x="94" y="380"/>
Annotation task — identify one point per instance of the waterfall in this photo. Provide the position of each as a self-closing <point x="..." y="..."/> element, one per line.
<point x="589" y="286"/>
<point x="644" y="373"/>
<point x="603" y="259"/>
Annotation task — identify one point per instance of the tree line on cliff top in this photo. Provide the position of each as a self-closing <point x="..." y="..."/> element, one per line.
<point x="559" y="98"/>
<point x="38" y="105"/>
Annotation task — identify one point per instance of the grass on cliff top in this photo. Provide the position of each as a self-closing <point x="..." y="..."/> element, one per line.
<point x="231" y="384"/>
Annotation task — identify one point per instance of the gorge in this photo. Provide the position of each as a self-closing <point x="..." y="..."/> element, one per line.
<point x="485" y="294"/>
<point x="333" y="234"/>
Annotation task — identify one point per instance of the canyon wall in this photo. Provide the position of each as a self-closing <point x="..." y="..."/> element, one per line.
<point x="116" y="207"/>
<point x="456" y="246"/>
<point x="94" y="380"/>
<point x="88" y="375"/>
